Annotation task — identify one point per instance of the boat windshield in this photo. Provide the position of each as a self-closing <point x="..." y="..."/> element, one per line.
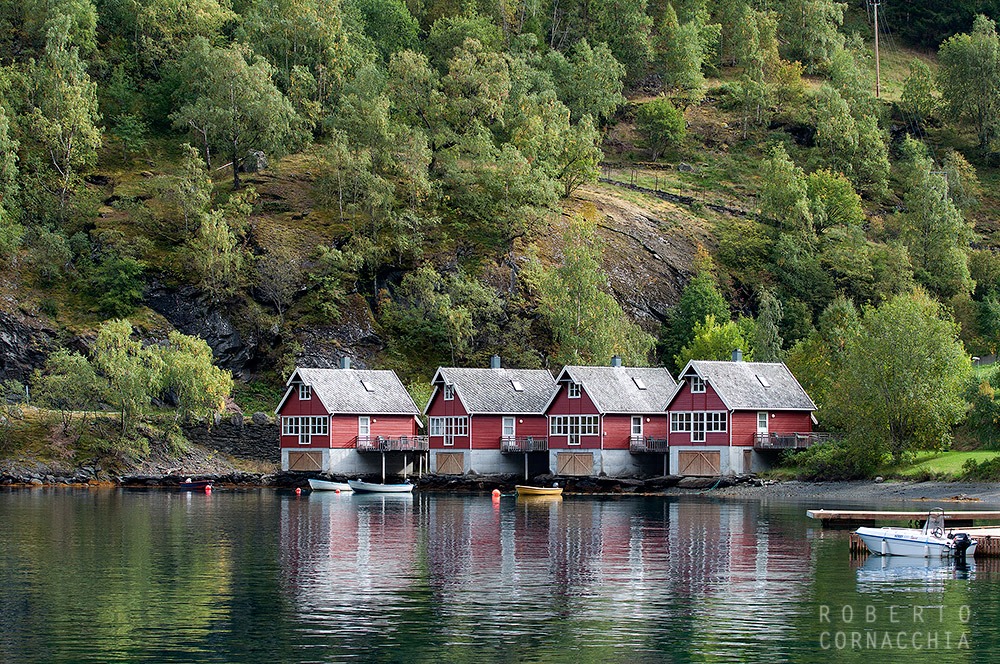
<point x="935" y="524"/>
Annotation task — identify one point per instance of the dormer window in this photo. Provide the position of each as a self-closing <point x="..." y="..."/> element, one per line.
<point x="449" y="392"/>
<point x="305" y="392"/>
<point x="573" y="390"/>
<point x="697" y="384"/>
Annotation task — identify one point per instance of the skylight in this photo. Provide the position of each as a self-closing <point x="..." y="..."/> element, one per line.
<point x="517" y="386"/>
<point x="763" y="381"/>
<point x="368" y="386"/>
<point x="639" y="383"/>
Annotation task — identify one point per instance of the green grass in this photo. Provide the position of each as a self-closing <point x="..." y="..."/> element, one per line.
<point x="947" y="465"/>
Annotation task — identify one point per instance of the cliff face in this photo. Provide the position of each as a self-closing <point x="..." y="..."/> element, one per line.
<point x="25" y="342"/>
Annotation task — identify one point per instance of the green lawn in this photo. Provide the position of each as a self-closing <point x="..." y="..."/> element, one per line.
<point x="942" y="463"/>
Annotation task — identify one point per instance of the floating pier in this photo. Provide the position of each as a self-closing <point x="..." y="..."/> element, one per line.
<point x="852" y="517"/>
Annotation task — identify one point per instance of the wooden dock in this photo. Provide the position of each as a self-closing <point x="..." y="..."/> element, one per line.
<point x="988" y="545"/>
<point x="849" y="517"/>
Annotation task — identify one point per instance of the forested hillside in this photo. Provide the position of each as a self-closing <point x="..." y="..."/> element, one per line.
<point x="423" y="183"/>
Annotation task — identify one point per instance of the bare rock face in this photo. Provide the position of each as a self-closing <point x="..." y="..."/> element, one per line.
<point x="355" y="335"/>
<point x="191" y="314"/>
<point x="25" y="342"/>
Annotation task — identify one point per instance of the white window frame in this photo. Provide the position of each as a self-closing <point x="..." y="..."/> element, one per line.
<point x="637" y="431"/>
<point x="762" y="415"/>
<point x="448" y="427"/>
<point x="698" y="427"/>
<point x="449" y="392"/>
<point x="508" y="427"/>
<point x="574" y="426"/>
<point x="305" y="392"/>
<point x="697" y="384"/>
<point x="573" y="390"/>
<point x="305" y="427"/>
<point x="692" y="422"/>
<point x="364" y="426"/>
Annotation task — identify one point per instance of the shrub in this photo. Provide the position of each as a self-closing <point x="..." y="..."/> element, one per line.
<point x="837" y="460"/>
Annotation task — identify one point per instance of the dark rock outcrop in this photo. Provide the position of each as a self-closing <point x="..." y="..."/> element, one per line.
<point x="25" y="342"/>
<point x="238" y="438"/>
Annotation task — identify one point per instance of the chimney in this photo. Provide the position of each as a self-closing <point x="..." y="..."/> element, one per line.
<point x="345" y="362"/>
<point x="495" y="362"/>
<point x="737" y="355"/>
<point x="616" y="360"/>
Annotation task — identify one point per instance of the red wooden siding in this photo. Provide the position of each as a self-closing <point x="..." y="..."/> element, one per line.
<point x="617" y="431"/>
<point x="294" y="407"/>
<point x="452" y="408"/>
<point x="745" y="424"/>
<point x="702" y="401"/>
<point x="486" y="430"/>
<point x="563" y="405"/>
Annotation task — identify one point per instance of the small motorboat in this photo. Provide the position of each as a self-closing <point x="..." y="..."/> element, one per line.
<point x="324" y="485"/>
<point x="931" y="541"/>
<point x="524" y="490"/>
<point x="371" y="487"/>
<point x="195" y="485"/>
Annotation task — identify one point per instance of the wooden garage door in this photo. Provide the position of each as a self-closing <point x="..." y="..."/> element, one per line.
<point x="308" y="461"/>
<point x="703" y="464"/>
<point x="450" y="463"/>
<point x="574" y="463"/>
<point x="747" y="461"/>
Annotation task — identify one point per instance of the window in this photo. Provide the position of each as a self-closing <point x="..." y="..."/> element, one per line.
<point x="637" y="427"/>
<point x="680" y="422"/>
<point x="697" y="427"/>
<point x="305" y="392"/>
<point x="368" y="386"/>
<point x="517" y="386"/>
<point x="762" y="422"/>
<point x="449" y="427"/>
<point x="449" y="392"/>
<point x="697" y="384"/>
<point x="574" y="426"/>
<point x="639" y="382"/>
<point x="698" y="423"/>
<point x="573" y="390"/>
<point x="763" y="381"/>
<point x="364" y="426"/>
<point x="305" y="427"/>
<point x="508" y="427"/>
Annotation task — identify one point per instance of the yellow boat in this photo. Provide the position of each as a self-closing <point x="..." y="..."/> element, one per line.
<point x="523" y="490"/>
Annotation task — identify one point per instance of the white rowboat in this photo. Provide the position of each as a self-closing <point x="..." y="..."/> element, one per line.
<point x="324" y="485"/>
<point x="371" y="487"/>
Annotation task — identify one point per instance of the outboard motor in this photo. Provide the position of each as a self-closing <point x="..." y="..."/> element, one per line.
<point x="961" y="544"/>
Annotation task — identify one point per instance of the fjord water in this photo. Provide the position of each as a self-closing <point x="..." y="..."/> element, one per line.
<point x="257" y="576"/>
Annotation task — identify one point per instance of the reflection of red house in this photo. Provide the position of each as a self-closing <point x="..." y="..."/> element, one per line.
<point x="475" y="416"/>
<point x="721" y="411"/>
<point x="599" y="416"/>
<point x="328" y="416"/>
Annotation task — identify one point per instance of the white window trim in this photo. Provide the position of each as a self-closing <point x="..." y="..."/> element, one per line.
<point x="305" y="392"/>
<point x="449" y="392"/>
<point x="712" y="421"/>
<point x="305" y="427"/>
<point x="448" y="427"/>
<point x="766" y="428"/>
<point x="574" y="427"/>
<point x="513" y="427"/>
<point x="573" y="391"/>
<point x="636" y="418"/>
<point x="697" y="385"/>
<point x="366" y="430"/>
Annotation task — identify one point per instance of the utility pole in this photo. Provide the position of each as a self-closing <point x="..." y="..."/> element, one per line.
<point x="878" y="77"/>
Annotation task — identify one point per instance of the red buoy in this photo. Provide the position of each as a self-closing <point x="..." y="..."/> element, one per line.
<point x="298" y="491"/>
<point x="336" y="492"/>
<point x="496" y="494"/>
<point x="208" y="488"/>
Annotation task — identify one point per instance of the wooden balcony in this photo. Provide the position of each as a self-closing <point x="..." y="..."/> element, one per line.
<point x="520" y="444"/>
<point x="789" y="441"/>
<point x="648" y="445"/>
<point x="387" y="444"/>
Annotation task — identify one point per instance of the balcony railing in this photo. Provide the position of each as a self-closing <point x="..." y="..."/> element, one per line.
<point x="640" y="445"/>
<point x="789" y="441"/>
<point x="517" y="444"/>
<point x="389" y="444"/>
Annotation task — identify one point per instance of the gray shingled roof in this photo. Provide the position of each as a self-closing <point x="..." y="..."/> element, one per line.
<point x="737" y="384"/>
<point x="614" y="389"/>
<point x="491" y="391"/>
<point x="342" y="391"/>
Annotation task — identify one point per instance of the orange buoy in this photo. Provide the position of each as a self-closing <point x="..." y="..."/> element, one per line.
<point x="336" y="492"/>
<point x="298" y="491"/>
<point x="496" y="494"/>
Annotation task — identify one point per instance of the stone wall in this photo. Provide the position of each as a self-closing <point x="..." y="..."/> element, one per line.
<point x="255" y="438"/>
